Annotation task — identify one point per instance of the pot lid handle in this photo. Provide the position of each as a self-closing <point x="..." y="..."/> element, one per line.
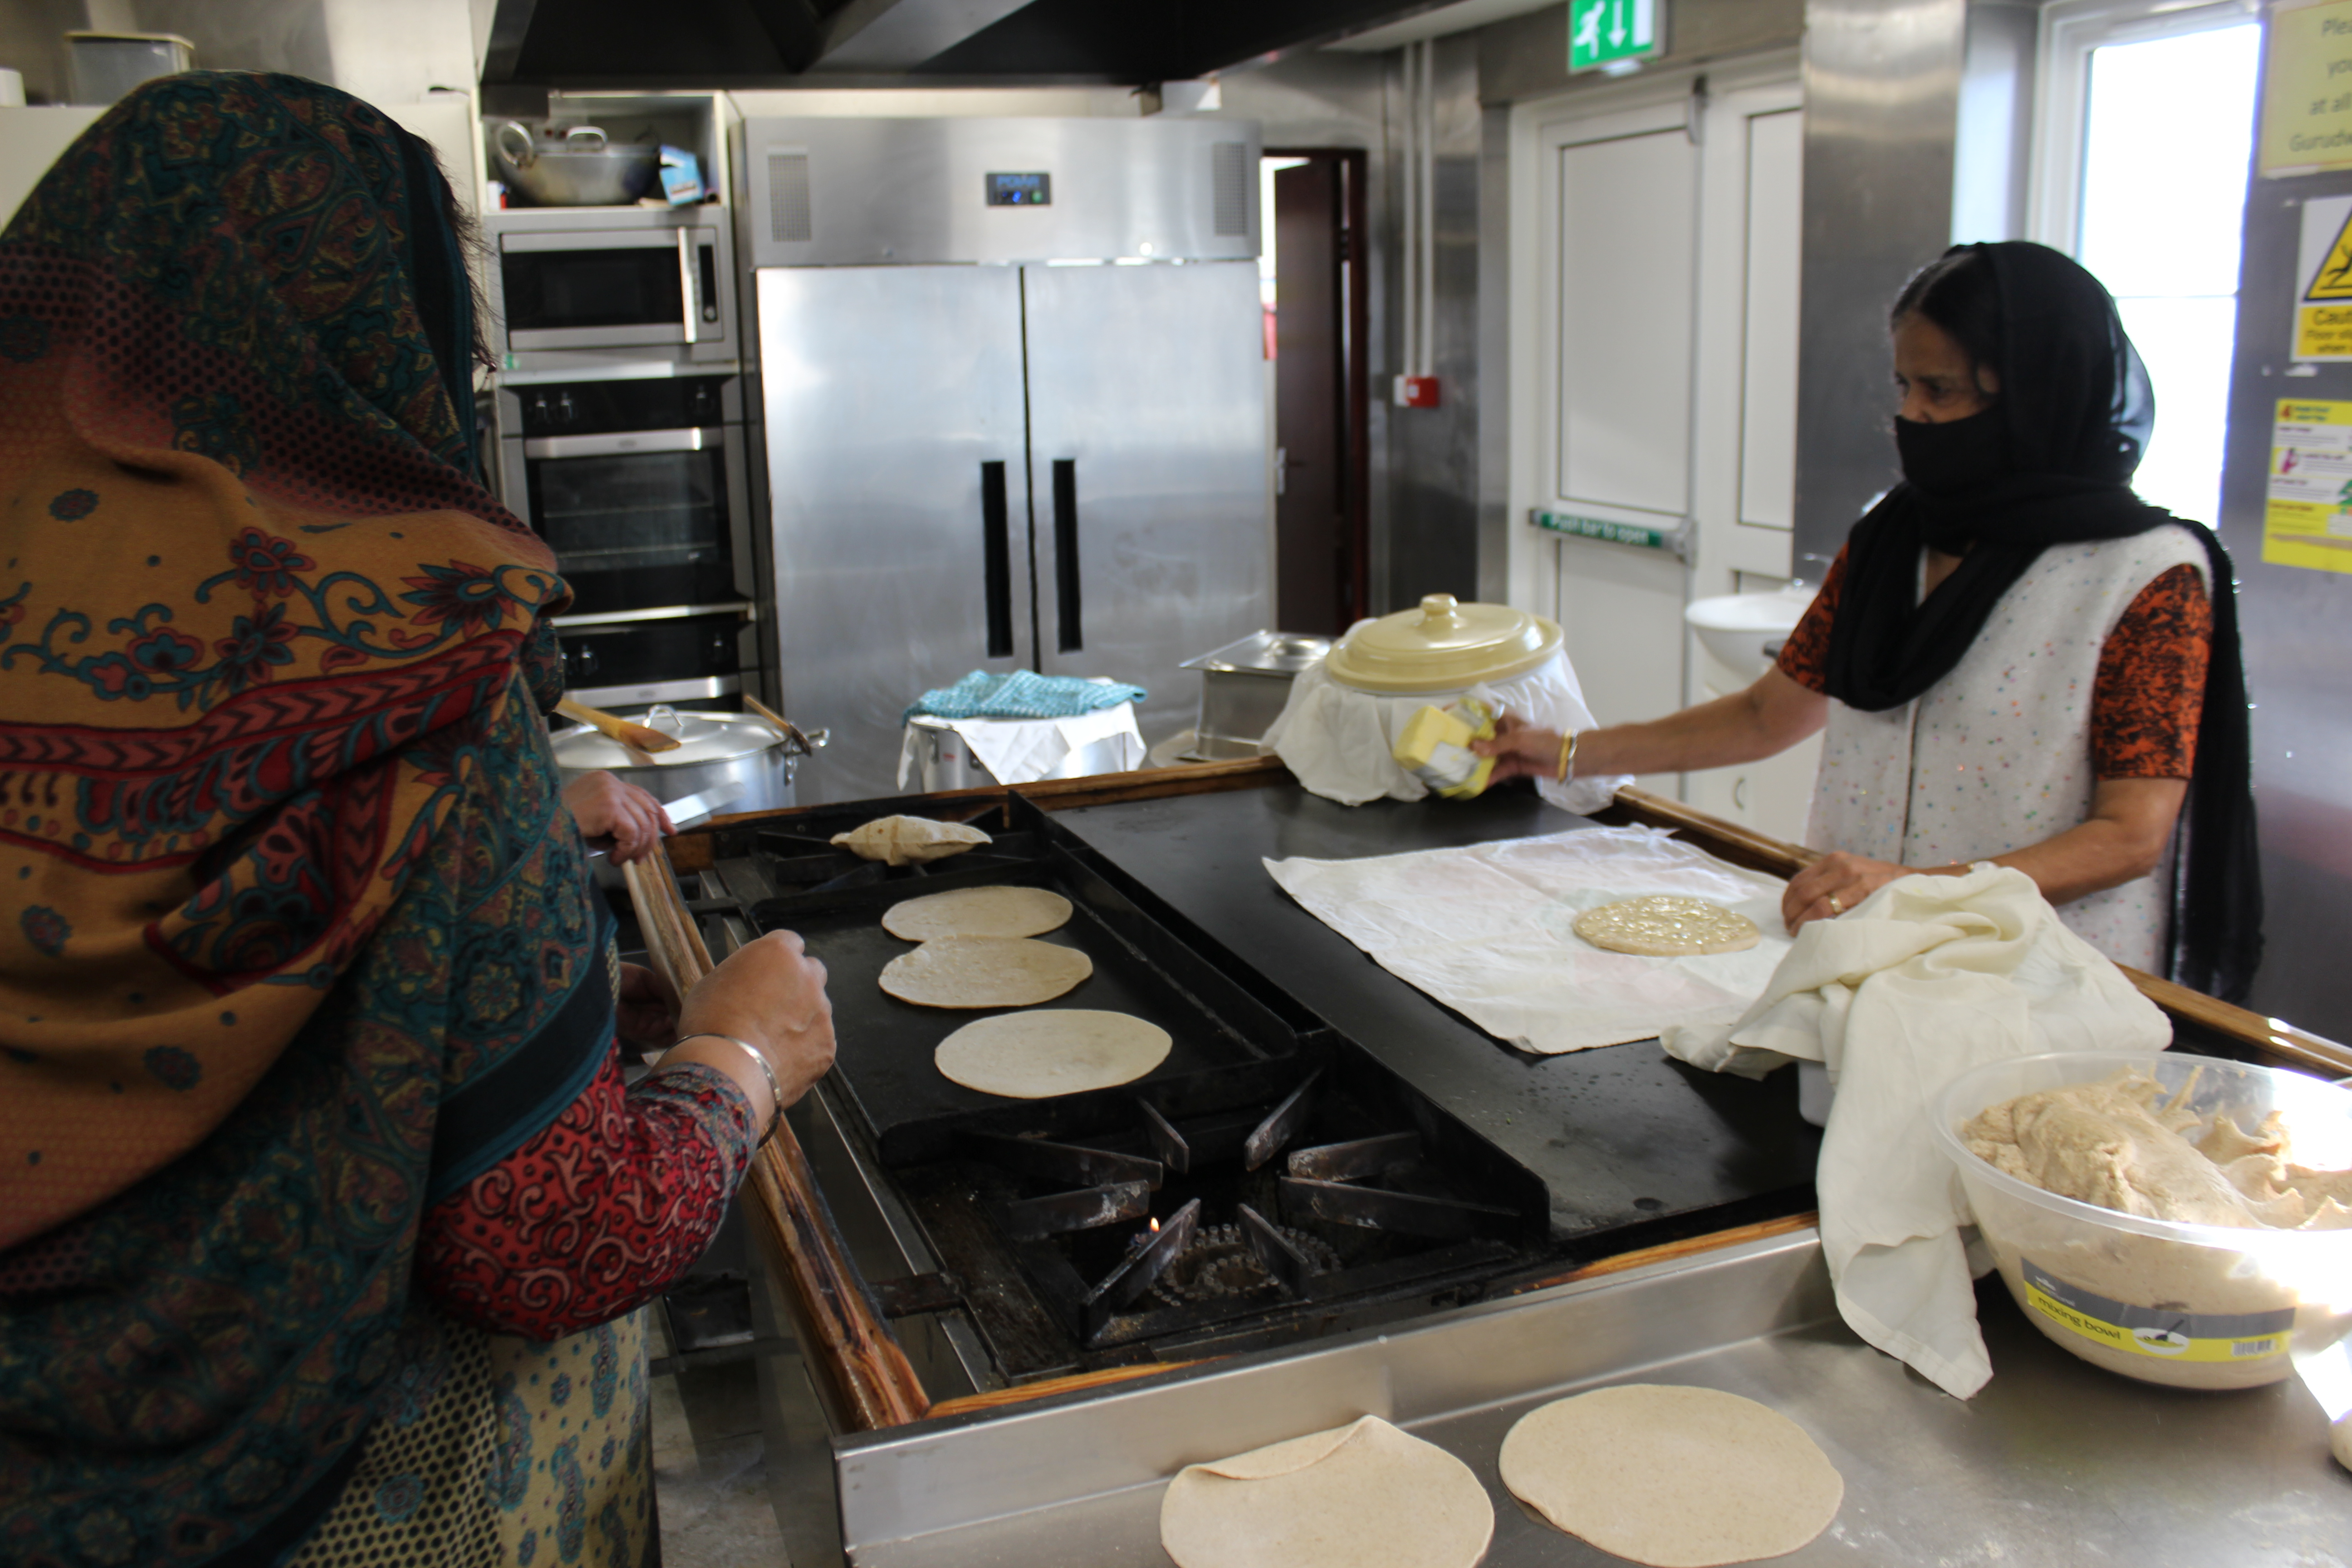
<point x="583" y="138"/>
<point x="660" y="711"/>
<point x="1440" y="613"/>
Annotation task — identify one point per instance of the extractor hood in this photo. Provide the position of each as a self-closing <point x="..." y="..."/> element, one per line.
<point x="776" y="43"/>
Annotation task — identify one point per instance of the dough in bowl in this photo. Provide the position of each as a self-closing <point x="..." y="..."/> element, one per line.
<point x="1672" y="1476"/>
<point x="984" y="972"/>
<point x="978" y="911"/>
<point x="1366" y="1496"/>
<point x="1667" y="925"/>
<point x="1061" y="1050"/>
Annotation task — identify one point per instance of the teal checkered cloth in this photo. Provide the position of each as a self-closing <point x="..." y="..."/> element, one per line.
<point x="1024" y="694"/>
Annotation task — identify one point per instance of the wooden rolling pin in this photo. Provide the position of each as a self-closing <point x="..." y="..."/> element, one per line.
<point x="860" y="1372"/>
<point x="618" y="728"/>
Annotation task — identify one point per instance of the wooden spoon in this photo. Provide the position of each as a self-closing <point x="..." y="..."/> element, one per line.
<point x="619" y="729"/>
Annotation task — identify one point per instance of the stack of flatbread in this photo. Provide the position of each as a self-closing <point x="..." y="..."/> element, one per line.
<point x="979" y="950"/>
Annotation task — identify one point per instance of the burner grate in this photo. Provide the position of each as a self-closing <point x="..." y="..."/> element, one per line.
<point x="1221" y="1265"/>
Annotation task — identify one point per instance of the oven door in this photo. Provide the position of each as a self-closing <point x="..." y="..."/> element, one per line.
<point x="638" y="518"/>
<point x="688" y="653"/>
<point x="614" y="289"/>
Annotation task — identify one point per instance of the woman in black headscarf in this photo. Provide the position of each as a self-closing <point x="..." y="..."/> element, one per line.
<point x="2017" y="659"/>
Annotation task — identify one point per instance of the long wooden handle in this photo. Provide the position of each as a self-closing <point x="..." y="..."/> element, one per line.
<point x="634" y="735"/>
<point x="855" y="1362"/>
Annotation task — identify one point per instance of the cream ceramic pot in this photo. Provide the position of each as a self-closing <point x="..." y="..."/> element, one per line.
<point x="736" y="761"/>
<point x="1443" y="646"/>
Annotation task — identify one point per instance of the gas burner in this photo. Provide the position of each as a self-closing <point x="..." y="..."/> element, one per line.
<point x="1222" y="1263"/>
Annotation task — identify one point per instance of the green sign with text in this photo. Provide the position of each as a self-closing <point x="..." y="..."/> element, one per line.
<point x="1604" y="32"/>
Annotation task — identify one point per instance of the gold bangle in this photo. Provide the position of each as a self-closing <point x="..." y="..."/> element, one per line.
<point x="1567" y="757"/>
<point x="775" y="1091"/>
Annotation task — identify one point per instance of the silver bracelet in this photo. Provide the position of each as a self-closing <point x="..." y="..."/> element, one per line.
<point x="775" y="1091"/>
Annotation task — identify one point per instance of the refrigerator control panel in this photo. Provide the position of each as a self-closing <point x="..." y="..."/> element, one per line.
<point x="1019" y="189"/>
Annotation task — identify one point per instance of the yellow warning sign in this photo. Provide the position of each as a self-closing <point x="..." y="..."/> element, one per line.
<point x="2323" y="276"/>
<point x="2334" y="279"/>
<point x="2307" y="514"/>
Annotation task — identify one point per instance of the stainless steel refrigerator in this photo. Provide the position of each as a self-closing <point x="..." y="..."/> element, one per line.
<point x="1013" y="388"/>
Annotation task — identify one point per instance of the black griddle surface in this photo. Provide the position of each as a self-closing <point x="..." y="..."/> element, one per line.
<point x="1623" y="1137"/>
<point x="1222" y="1039"/>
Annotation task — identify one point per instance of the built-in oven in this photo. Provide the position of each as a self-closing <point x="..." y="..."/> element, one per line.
<point x="640" y="487"/>
<point x="567" y="280"/>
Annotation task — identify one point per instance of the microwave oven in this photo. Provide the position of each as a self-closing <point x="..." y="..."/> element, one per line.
<point x="633" y="279"/>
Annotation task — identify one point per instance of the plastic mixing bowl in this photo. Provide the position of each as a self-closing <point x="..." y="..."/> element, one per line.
<point x="2193" y="1306"/>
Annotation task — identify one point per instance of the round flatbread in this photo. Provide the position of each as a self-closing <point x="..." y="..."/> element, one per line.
<point x="1066" y="1050"/>
<point x="1366" y="1496"/>
<point x="984" y="972"/>
<point x="1667" y="925"/>
<point x="1671" y="1477"/>
<point x="978" y="911"/>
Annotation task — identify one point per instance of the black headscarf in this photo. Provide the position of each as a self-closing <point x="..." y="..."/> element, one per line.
<point x="2050" y="462"/>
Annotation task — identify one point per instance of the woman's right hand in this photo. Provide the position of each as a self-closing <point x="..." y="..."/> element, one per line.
<point x="769" y="994"/>
<point x="1520" y="749"/>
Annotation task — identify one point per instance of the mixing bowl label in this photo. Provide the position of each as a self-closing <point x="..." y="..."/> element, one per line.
<point x="2154" y="1331"/>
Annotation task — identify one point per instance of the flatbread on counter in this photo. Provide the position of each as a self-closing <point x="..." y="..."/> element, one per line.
<point x="1672" y="1476"/>
<point x="978" y="911"/>
<point x="1667" y="925"/>
<point x="1365" y="1495"/>
<point x="1064" y="1050"/>
<point x="984" y="972"/>
<point x="910" y="841"/>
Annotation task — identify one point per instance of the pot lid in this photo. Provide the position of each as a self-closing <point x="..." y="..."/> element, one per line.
<point x="1443" y="646"/>
<point x="702" y="738"/>
<point x="1265" y="653"/>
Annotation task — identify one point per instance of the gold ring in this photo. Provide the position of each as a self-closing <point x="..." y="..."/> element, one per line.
<point x="1836" y="908"/>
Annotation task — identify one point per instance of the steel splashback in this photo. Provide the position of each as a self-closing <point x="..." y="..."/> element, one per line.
<point x="847" y="191"/>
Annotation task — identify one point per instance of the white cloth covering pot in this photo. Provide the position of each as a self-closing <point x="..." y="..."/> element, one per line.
<point x="1928" y="977"/>
<point x="1340" y="741"/>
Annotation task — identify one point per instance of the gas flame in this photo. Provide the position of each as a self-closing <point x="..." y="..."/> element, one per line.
<point x="1155" y="1225"/>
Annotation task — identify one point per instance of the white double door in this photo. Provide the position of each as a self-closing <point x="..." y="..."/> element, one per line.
<point x="1655" y="253"/>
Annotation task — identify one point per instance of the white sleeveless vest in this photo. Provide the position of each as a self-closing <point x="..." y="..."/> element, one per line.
<point x="1997" y="755"/>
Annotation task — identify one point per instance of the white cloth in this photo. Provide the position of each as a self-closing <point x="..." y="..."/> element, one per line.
<point x="1928" y="977"/>
<point x="1340" y="741"/>
<point x="1487" y="929"/>
<point x="1022" y="750"/>
<point x="1998" y="755"/>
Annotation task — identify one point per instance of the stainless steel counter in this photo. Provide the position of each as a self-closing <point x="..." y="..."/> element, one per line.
<point x="2057" y="1462"/>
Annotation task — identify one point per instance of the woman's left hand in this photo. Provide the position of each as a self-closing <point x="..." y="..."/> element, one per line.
<point x="1832" y="885"/>
<point x="647" y="1007"/>
<point x="609" y="807"/>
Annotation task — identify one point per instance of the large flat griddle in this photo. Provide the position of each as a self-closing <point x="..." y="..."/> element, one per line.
<point x="1228" y="1045"/>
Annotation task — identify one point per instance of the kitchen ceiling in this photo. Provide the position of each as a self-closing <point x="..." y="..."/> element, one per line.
<point x="774" y="43"/>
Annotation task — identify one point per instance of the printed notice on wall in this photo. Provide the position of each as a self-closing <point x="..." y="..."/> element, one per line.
<point x="2323" y="282"/>
<point x="2307" y="520"/>
<point x="2308" y="89"/>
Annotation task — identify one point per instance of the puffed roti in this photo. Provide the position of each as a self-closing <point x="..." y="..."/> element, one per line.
<point x="1667" y="925"/>
<point x="978" y="911"/>
<point x="984" y="972"/>
<point x="1058" y="1051"/>
<point x="1364" y="1496"/>
<point x="1672" y="1476"/>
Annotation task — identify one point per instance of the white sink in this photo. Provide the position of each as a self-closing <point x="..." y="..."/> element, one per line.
<point x="1746" y="630"/>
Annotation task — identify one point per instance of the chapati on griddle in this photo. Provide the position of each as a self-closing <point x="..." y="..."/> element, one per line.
<point x="1052" y="1051"/>
<point x="984" y="972"/>
<point x="978" y="911"/>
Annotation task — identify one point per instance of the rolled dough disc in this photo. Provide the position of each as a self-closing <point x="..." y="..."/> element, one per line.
<point x="984" y="972"/>
<point x="1671" y="1477"/>
<point x="978" y="911"/>
<point x="1667" y="925"/>
<point x="1066" y="1050"/>
<point x="1366" y="1496"/>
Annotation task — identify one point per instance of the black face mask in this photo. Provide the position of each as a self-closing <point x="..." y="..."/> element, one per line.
<point x="1956" y="457"/>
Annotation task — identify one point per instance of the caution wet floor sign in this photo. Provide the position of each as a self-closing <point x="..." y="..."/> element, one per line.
<point x="2323" y="295"/>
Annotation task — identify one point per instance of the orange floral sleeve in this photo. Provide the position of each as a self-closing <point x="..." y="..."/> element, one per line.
<point x="1805" y="656"/>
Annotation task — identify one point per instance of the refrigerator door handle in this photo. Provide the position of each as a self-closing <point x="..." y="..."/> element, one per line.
<point x="996" y="559"/>
<point x="1071" y="636"/>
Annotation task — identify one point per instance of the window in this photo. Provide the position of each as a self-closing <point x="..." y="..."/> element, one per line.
<point x="2146" y="132"/>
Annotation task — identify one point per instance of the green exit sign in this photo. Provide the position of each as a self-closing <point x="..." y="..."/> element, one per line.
<point x="1603" y="33"/>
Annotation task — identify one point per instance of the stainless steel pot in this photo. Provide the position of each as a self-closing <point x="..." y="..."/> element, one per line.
<point x="724" y="761"/>
<point x="579" y="169"/>
<point x="1243" y="687"/>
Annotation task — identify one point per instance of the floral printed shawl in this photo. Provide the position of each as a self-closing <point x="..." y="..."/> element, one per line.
<point x="291" y="941"/>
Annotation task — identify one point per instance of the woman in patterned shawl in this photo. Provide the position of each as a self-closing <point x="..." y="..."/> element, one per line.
<point x="318" y="1187"/>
